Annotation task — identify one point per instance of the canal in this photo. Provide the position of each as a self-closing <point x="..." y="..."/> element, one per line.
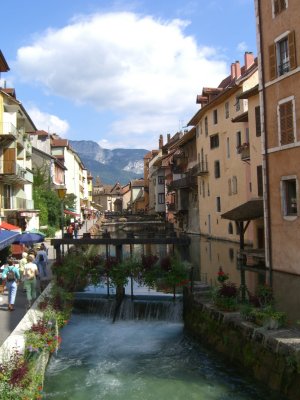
<point x="150" y="358"/>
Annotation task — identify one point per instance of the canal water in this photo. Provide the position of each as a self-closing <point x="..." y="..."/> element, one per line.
<point x="150" y="358"/>
<point x="134" y="360"/>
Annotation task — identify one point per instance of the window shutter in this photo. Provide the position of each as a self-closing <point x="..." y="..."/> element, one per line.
<point x="292" y="50"/>
<point x="257" y="121"/>
<point x="286" y="123"/>
<point x="272" y="61"/>
<point x="276" y="7"/>
<point x="259" y="180"/>
<point x="282" y="5"/>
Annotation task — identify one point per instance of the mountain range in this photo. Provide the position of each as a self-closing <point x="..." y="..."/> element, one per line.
<point x="117" y="165"/>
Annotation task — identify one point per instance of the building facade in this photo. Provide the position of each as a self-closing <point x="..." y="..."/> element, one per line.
<point x="278" y="36"/>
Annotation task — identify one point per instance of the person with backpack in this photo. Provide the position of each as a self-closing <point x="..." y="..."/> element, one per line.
<point x="41" y="261"/>
<point x="11" y="275"/>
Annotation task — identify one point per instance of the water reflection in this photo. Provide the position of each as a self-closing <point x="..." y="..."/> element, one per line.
<point x="207" y="255"/>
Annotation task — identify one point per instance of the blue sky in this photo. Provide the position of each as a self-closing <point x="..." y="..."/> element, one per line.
<point x="120" y="73"/>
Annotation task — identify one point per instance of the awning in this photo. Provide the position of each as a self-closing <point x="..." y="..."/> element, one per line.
<point x="252" y="209"/>
<point x="7" y="238"/>
<point x="10" y="227"/>
<point x="71" y="213"/>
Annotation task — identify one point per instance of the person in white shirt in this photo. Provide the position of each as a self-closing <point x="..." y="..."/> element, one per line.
<point x="29" y="277"/>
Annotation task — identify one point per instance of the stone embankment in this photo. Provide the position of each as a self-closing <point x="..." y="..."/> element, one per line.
<point x="270" y="356"/>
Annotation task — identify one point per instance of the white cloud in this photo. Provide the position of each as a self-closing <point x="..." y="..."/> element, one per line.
<point x="242" y="47"/>
<point x="48" y="122"/>
<point x="146" y="70"/>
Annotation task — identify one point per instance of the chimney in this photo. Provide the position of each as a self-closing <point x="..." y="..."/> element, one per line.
<point x="160" y="142"/>
<point x="249" y="59"/>
<point x="168" y="137"/>
<point x="237" y="69"/>
<point x="232" y="71"/>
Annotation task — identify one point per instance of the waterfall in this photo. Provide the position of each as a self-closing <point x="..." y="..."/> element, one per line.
<point x="137" y="309"/>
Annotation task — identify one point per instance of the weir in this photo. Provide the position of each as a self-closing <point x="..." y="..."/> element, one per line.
<point x="147" y="308"/>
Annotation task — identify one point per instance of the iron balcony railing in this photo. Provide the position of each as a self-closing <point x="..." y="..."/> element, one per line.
<point x="283" y="68"/>
<point x="186" y="182"/>
<point x="17" y="203"/>
<point x="200" y="169"/>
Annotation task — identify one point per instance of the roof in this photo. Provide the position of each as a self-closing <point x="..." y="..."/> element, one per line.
<point x="137" y="182"/>
<point x="241" y="117"/>
<point x="3" y="64"/>
<point x="252" y="209"/>
<point x="248" y="93"/>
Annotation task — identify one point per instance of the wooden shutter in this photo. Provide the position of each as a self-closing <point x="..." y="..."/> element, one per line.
<point x="292" y="50"/>
<point x="282" y="5"/>
<point x="272" y="61"/>
<point x="257" y="121"/>
<point x="259" y="180"/>
<point x="9" y="161"/>
<point x="286" y="123"/>
<point x="276" y="7"/>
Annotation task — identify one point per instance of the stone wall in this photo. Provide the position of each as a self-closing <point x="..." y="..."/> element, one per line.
<point x="270" y="356"/>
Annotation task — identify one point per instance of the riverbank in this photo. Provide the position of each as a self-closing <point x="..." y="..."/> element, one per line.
<point x="270" y="356"/>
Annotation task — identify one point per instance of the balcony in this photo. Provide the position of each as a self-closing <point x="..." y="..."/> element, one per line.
<point x="11" y="172"/>
<point x="244" y="151"/>
<point x="200" y="169"/>
<point x="17" y="203"/>
<point x="24" y="204"/>
<point x="186" y="182"/>
<point x="8" y="132"/>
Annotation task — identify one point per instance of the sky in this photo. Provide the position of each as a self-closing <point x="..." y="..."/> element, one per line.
<point x="120" y="73"/>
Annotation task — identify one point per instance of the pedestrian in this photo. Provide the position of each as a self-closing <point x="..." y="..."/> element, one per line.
<point x="22" y="263"/>
<point x="41" y="261"/>
<point x="43" y="247"/>
<point x="70" y="231"/>
<point x="12" y="276"/>
<point x="76" y="227"/>
<point x="30" y="275"/>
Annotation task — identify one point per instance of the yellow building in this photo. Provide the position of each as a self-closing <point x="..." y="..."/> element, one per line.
<point x="229" y="152"/>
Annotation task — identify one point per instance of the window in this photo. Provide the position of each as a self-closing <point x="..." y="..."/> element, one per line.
<point x="214" y="141"/>
<point x="208" y="191"/>
<point x="289" y="196"/>
<point x="161" y="198"/>
<point x="227" y="110"/>
<point x="237" y="104"/>
<point x="203" y="188"/>
<point x="234" y="185"/>
<point x="279" y="6"/>
<point x="217" y="169"/>
<point x="282" y="56"/>
<point x="160" y="180"/>
<point x="198" y="130"/>
<point x="286" y="122"/>
<point x="238" y="141"/>
<point x="215" y="116"/>
<point x="228" y="147"/>
<point x="218" y="203"/>
<point x="230" y="228"/>
<point x="229" y="187"/>
<point x="206" y="126"/>
<point x="259" y="180"/>
<point x="257" y="121"/>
